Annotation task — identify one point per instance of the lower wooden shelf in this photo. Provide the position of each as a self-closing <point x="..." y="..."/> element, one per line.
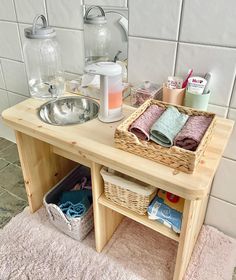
<point x="138" y="218"/>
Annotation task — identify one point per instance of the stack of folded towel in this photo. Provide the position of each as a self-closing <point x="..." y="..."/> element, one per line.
<point x="76" y="202"/>
<point x="170" y="127"/>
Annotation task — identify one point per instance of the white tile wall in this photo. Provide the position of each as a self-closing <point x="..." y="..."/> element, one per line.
<point x="224" y="181"/>
<point x="219" y="61"/>
<point x="7" y="11"/>
<point x="150" y="59"/>
<point x="15" y="98"/>
<point x="230" y="151"/>
<point x="113" y="3"/>
<point x="72" y="49"/>
<point x="218" y="110"/>
<point x="26" y="10"/>
<point x="15" y="76"/>
<point x="65" y="14"/>
<point x="10" y="41"/>
<point x="158" y="19"/>
<point x="4" y="100"/>
<point x="233" y="100"/>
<point x="2" y="84"/>
<point x="6" y="132"/>
<point x="221" y="215"/>
<point x="209" y="22"/>
<point x="22" y="26"/>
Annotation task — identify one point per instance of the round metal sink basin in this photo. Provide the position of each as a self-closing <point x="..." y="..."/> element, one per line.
<point x="68" y="110"/>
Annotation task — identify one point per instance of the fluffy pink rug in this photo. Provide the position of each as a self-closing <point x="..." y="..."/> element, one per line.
<point x="32" y="249"/>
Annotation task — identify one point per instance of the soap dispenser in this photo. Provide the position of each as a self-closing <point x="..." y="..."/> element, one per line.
<point x="110" y="90"/>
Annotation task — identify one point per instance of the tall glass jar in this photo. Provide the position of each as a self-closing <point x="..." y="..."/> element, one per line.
<point x="43" y="61"/>
<point x="96" y="36"/>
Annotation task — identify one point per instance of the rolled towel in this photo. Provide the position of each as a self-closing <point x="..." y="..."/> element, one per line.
<point x="191" y="134"/>
<point x="168" y="126"/>
<point x="141" y="126"/>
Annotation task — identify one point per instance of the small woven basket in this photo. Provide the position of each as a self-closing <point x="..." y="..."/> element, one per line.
<point x="127" y="191"/>
<point x="76" y="228"/>
<point x="175" y="157"/>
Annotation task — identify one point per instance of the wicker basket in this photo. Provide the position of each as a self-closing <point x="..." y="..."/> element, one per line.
<point x="175" y="157"/>
<point x="127" y="192"/>
<point x="76" y="228"/>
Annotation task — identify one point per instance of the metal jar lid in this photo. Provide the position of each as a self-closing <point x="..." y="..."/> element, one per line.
<point x="95" y="19"/>
<point x="38" y="31"/>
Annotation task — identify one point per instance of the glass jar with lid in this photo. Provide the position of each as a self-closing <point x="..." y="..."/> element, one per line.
<point x="43" y="61"/>
<point x="97" y="36"/>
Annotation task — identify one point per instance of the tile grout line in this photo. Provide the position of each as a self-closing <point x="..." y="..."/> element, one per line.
<point x="11" y="59"/>
<point x="56" y="26"/>
<point x="232" y="92"/>
<point x="14" y="92"/>
<point x="183" y="42"/>
<point x="178" y="35"/>
<point x="7" y="148"/>
<point x="224" y="200"/>
<point x="12" y="194"/>
<point x="46" y="10"/>
<point x="18" y="31"/>
<point x="225" y="157"/>
<point x="4" y="82"/>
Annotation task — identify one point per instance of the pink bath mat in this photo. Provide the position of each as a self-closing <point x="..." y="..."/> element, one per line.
<point x="32" y="249"/>
<point x="214" y="256"/>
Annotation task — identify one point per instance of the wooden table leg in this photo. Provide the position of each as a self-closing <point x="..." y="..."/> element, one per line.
<point x="105" y="220"/>
<point x="41" y="168"/>
<point x="193" y="217"/>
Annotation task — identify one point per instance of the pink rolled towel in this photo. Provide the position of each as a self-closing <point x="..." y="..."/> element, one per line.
<point x="142" y="125"/>
<point x="191" y="134"/>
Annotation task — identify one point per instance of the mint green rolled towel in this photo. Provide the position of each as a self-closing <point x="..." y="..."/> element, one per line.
<point x="168" y="126"/>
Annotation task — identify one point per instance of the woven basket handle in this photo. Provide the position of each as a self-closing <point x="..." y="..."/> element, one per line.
<point x="54" y="212"/>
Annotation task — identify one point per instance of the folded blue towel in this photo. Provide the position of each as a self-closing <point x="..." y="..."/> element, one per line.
<point x="73" y="210"/>
<point x="75" y="203"/>
<point x="168" y="126"/>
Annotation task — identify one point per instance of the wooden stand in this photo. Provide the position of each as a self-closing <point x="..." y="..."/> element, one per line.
<point x="48" y="153"/>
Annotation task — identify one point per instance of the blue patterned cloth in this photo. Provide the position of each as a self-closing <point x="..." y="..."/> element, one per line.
<point x="75" y="204"/>
<point x="73" y="210"/>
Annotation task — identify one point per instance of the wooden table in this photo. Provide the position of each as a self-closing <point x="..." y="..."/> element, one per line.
<point x="48" y="152"/>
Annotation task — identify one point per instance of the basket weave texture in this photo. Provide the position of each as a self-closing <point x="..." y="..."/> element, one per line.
<point x="76" y="228"/>
<point x="127" y="192"/>
<point x="175" y="157"/>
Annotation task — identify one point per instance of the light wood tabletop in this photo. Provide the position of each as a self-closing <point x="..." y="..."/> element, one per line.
<point x="94" y="141"/>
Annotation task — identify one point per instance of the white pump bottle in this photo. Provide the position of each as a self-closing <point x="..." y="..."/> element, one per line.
<point x="110" y="90"/>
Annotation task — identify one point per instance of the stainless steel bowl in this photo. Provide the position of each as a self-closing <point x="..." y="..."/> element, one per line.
<point x="68" y="110"/>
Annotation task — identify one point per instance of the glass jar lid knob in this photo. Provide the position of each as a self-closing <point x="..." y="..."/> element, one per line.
<point x="38" y="31"/>
<point x="95" y="19"/>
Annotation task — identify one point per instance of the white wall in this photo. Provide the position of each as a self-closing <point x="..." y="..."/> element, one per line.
<point x="165" y="37"/>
